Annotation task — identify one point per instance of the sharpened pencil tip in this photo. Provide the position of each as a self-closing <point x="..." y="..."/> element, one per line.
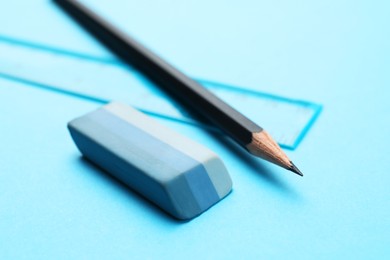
<point x="295" y="169"/>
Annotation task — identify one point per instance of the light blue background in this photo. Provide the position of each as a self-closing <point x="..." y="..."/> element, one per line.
<point x="336" y="53"/>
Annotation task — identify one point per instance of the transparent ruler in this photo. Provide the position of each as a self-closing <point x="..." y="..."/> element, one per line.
<point x="104" y="80"/>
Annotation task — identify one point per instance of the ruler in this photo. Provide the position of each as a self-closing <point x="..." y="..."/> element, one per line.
<point x="103" y="80"/>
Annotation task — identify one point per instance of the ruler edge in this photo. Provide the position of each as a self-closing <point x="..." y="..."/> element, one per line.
<point x="315" y="107"/>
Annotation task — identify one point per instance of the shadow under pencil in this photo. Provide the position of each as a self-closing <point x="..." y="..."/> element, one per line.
<point x="252" y="162"/>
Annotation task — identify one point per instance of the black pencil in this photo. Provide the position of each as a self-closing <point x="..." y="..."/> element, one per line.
<point x="185" y="90"/>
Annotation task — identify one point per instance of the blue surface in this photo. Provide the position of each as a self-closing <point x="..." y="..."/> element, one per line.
<point x="55" y="205"/>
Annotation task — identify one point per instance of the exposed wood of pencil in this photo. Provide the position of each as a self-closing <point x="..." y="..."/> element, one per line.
<point x="264" y="146"/>
<point x="185" y="90"/>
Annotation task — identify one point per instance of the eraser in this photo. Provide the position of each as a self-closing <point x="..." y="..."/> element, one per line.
<point x="177" y="174"/>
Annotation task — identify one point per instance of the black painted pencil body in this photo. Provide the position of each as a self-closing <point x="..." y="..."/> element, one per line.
<point x="185" y="90"/>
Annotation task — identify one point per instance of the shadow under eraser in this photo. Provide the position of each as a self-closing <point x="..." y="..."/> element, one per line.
<point x="177" y="174"/>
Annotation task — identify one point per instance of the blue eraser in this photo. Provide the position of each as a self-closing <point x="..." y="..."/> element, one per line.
<point x="177" y="174"/>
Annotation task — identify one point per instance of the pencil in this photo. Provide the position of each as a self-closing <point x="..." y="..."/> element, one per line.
<point x="183" y="89"/>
